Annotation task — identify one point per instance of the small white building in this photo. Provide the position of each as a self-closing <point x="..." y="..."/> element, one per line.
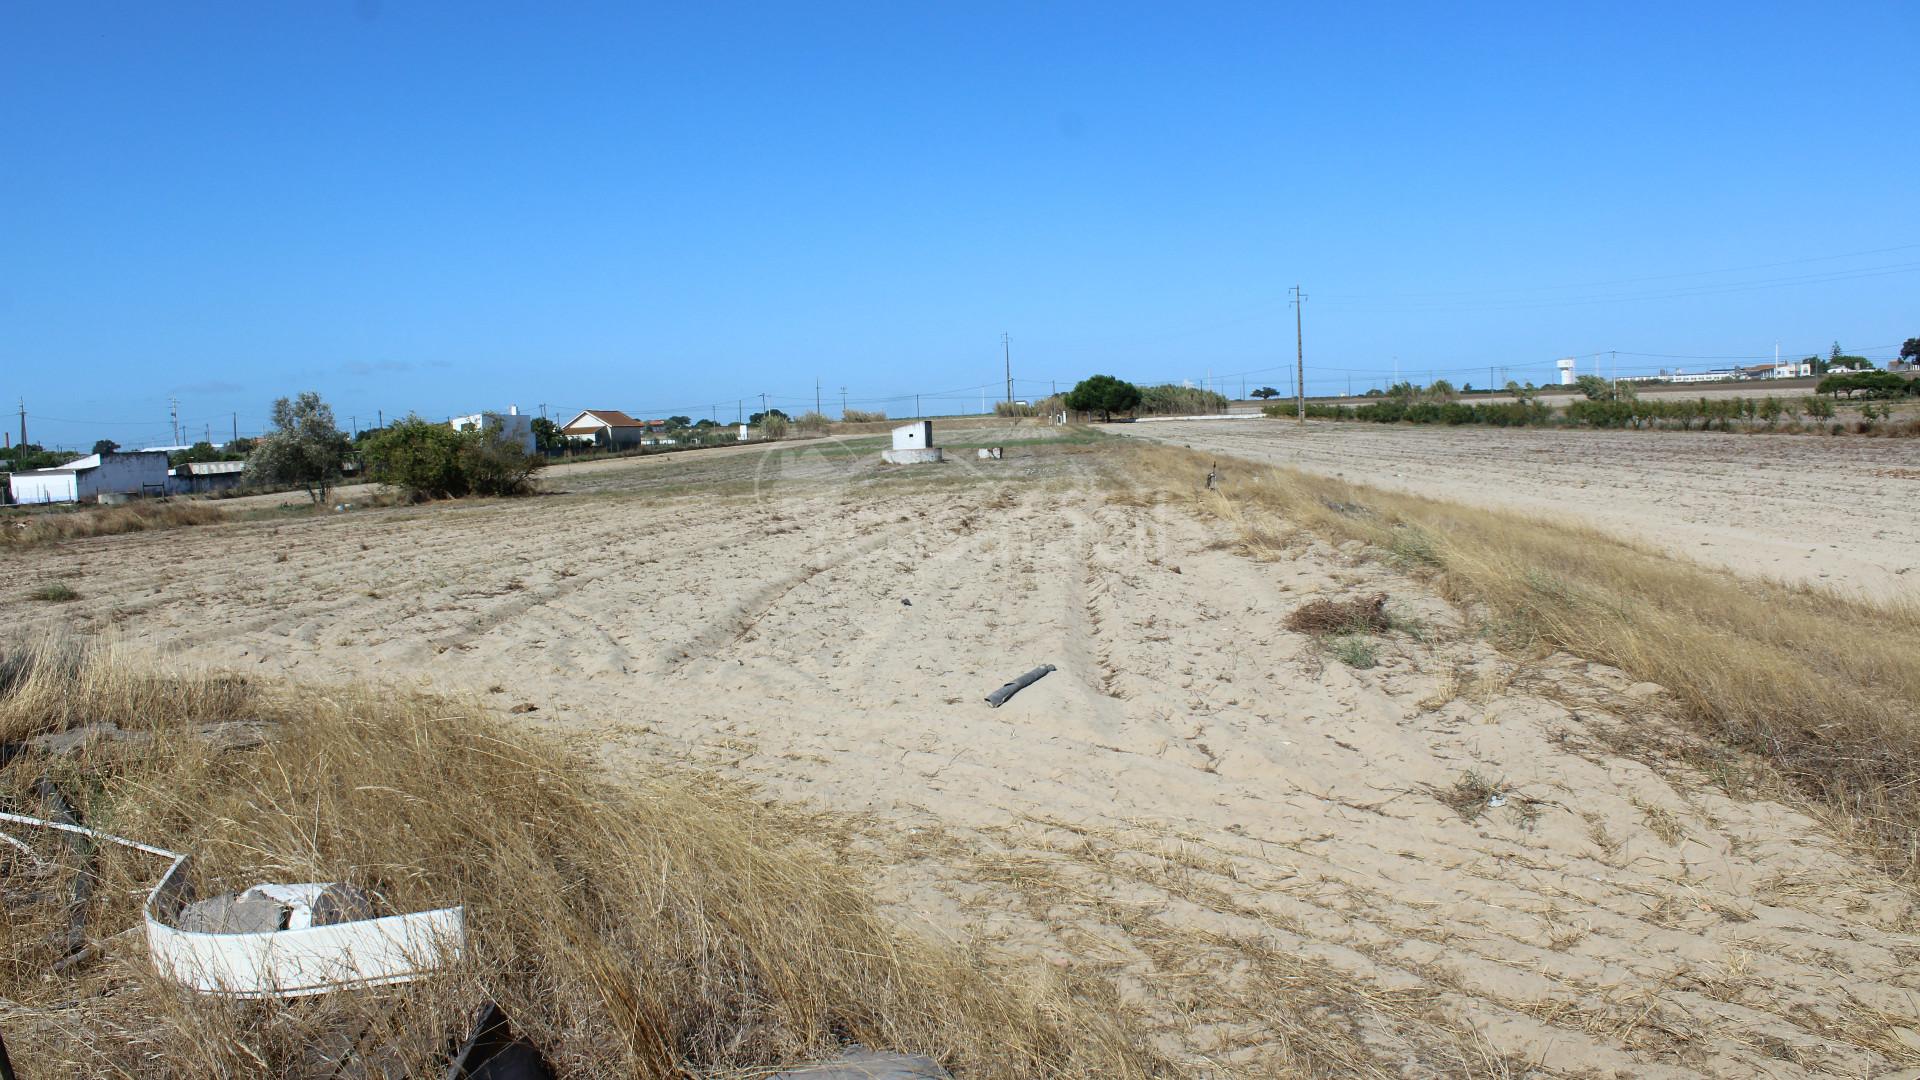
<point x="512" y="425"/>
<point x="1566" y="371"/>
<point x="138" y="472"/>
<point x="912" y="445"/>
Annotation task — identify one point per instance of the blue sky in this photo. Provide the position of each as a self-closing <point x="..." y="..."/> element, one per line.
<point x="451" y="207"/>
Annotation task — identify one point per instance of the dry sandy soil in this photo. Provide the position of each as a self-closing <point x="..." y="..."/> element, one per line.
<point x="1840" y="512"/>
<point x="1433" y="866"/>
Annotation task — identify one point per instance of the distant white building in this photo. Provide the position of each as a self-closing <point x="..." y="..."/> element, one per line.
<point x="512" y="425"/>
<point x="138" y="472"/>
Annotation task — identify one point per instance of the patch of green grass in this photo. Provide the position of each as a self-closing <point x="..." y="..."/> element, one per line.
<point x="1355" y="650"/>
<point x="57" y="592"/>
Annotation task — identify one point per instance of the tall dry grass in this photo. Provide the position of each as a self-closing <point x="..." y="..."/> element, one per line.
<point x="21" y="529"/>
<point x="1824" y="687"/>
<point x="669" y="926"/>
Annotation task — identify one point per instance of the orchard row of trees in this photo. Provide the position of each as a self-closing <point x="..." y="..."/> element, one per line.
<point x="1703" y="414"/>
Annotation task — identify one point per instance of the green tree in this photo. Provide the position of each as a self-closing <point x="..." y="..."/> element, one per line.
<point x="546" y="436"/>
<point x="679" y="423"/>
<point x="1910" y="351"/>
<point x="1103" y="394"/>
<point x="759" y="419"/>
<point x="1441" y="390"/>
<point x="200" y="451"/>
<point x="433" y="461"/>
<point x="305" y="449"/>
<point x="105" y="446"/>
<point x="1594" y="387"/>
<point x="1269" y="392"/>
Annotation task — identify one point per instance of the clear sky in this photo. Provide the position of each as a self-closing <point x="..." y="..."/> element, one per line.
<point x="666" y="209"/>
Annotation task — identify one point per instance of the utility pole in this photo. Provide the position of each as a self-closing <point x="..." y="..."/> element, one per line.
<point x="23" y="421"/>
<point x="353" y="425"/>
<point x="173" y="405"/>
<point x="209" y="434"/>
<point x="543" y="412"/>
<point x="763" y="407"/>
<point x="1299" y="357"/>
<point x="816" y="398"/>
<point x="1006" y="353"/>
<point x="916" y="407"/>
<point x="381" y="415"/>
<point x="843" y="403"/>
<point x="236" y="427"/>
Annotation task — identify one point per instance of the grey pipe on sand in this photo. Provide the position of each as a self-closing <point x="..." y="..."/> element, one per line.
<point x="999" y="697"/>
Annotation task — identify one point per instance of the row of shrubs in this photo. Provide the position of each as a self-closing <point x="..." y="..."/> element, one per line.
<point x="1701" y="413"/>
<point x="433" y="461"/>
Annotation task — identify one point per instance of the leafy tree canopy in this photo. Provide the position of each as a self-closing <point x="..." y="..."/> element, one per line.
<point x="105" y="446"/>
<point x="1105" y="395"/>
<point x="305" y="449"/>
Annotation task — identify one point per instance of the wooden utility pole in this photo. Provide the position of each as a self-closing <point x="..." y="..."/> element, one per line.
<point x="1299" y="359"/>
<point x="1006" y="353"/>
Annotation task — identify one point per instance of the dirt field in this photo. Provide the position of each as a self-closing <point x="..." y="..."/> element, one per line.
<point x="1431" y="866"/>
<point x="1839" y="512"/>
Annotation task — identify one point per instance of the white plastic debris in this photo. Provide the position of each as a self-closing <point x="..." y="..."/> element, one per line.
<point x="293" y="962"/>
<point x="1497" y="801"/>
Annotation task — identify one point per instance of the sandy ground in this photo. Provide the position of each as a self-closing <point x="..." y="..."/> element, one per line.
<point x="1839" y="512"/>
<point x="1251" y="836"/>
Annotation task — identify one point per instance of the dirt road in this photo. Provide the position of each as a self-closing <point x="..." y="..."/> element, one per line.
<point x="1284" y="860"/>
<point x="1839" y="512"/>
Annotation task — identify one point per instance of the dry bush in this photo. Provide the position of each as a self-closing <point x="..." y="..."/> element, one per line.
<point x="1821" y="685"/>
<point x="44" y="527"/>
<point x="1363" y="615"/>
<point x="811" y="423"/>
<point x="669" y="927"/>
<point x="861" y="416"/>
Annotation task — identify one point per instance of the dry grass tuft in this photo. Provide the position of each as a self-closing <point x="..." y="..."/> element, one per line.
<point x="1359" y="616"/>
<point x="671" y="927"/>
<point x="56" y="592"/>
<point x="1823" y="687"/>
<point x="21" y="529"/>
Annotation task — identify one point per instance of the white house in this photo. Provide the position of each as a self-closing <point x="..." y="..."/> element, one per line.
<point x="610" y="429"/>
<point x="512" y="425"/>
<point x="139" y="472"/>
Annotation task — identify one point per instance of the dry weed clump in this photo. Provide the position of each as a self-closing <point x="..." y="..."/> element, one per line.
<point x="1822" y="686"/>
<point x="24" y="530"/>
<point x="670" y="927"/>
<point x="1362" y="615"/>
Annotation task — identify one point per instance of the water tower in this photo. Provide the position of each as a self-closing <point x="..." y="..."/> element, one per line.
<point x="1566" y="371"/>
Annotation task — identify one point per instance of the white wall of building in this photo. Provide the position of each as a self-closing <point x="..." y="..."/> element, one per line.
<point x="28" y="488"/>
<point x="513" y="425"/>
<point x="137" y="473"/>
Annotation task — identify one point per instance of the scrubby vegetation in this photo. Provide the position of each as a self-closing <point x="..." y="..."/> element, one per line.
<point x="46" y="526"/>
<point x="1623" y="411"/>
<point x="1168" y="399"/>
<point x="861" y="416"/>
<point x="433" y="461"/>
<point x="670" y="927"/>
